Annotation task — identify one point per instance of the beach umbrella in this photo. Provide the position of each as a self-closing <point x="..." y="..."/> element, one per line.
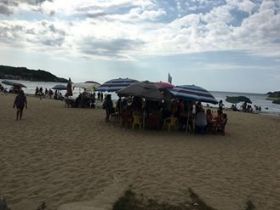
<point x="238" y="99"/>
<point x="88" y="85"/>
<point x="115" y="85"/>
<point x="59" y="87"/>
<point x="146" y="89"/>
<point x="192" y="93"/>
<point x="163" y="85"/>
<point x="15" y="84"/>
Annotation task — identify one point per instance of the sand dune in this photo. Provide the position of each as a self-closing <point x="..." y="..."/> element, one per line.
<point x="60" y="155"/>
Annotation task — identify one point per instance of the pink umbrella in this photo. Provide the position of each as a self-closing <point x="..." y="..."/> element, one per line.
<point x="163" y="85"/>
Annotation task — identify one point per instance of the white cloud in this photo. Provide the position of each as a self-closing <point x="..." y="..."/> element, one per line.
<point x="135" y="25"/>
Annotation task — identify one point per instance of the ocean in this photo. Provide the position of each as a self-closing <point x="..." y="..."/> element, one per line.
<point x="257" y="99"/>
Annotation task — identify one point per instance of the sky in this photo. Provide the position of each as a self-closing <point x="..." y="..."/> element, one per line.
<point x="222" y="45"/>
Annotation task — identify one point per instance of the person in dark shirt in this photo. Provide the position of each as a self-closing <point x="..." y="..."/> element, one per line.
<point x="108" y="106"/>
<point x="20" y="103"/>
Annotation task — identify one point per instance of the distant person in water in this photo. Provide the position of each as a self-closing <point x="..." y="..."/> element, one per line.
<point x="20" y="103"/>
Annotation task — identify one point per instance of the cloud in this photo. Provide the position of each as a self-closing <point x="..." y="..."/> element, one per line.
<point x="110" y="48"/>
<point x="6" y="7"/>
<point x="36" y="35"/>
<point x="4" y="10"/>
<point x="33" y="2"/>
<point x="131" y="29"/>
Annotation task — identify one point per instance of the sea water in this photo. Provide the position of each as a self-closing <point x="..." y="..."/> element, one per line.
<point x="257" y="99"/>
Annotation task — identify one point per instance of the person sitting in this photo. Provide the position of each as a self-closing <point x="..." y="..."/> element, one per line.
<point x="126" y="117"/>
<point x="200" y="121"/>
<point x="244" y="107"/>
<point x="182" y="115"/>
<point x="153" y="120"/>
<point x="220" y="126"/>
<point x="234" y="108"/>
<point x="210" y="120"/>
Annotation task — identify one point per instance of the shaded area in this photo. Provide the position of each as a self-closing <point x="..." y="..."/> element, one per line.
<point x="130" y="201"/>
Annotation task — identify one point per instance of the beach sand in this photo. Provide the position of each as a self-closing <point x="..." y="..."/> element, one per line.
<point x="60" y="155"/>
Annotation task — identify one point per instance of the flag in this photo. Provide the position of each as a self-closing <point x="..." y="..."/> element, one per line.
<point x="169" y="78"/>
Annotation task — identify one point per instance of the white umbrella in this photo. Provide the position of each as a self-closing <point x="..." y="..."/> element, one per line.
<point x="88" y="86"/>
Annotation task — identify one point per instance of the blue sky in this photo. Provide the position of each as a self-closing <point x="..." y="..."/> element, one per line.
<point x="227" y="45"/>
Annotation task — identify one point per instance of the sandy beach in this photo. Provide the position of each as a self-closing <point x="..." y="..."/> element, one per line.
<point x="60" y="155"/>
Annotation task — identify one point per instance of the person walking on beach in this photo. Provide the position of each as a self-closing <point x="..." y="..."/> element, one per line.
<point x="20" y="103"/>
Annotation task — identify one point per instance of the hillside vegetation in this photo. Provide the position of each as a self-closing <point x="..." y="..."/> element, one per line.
<point x="23" y="73"/>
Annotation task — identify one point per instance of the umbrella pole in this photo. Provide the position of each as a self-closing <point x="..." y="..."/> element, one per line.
<point x="120" y="111"/>
<point x="187" y="126"/>
<point x="144" y="115"/>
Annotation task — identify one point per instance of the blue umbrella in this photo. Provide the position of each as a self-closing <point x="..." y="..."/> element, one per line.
<point x="15" y="84"/>
<point x="115" y="85"/>
<point x="193" y="93"/>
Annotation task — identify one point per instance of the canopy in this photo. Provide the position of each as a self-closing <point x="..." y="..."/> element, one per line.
<point x="163" y="85"/>
<point x="115" y="85"/>
<point x="238" y="99"/>
<point x="59" y="87"/>
<point x="15" y="84"/>
<point x="193" y="93"/>
<point x="145" y="89"/>
<point x="89" y="85"/>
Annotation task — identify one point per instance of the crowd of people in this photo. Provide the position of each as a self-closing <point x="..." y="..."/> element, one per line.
<point x="84" y="100"/>
<point x="40" y="92"/>
<point x="175" y="114"/>
<point x="247" y="108"/>
<point x="170" y="114"/>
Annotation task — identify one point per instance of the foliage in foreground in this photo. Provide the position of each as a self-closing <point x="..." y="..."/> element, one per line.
<point x="129" y="201"/>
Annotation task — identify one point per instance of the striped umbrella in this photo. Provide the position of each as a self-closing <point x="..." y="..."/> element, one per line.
<point x="115" y="85"/>
<point x="193" y="93"/>
<point x="59" y="87"/>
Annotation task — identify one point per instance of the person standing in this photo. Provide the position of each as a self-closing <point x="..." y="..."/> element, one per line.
<point x="108" y="106"/>
<point x="19" y="103"/>
<point x="69" y="91"/>
<point x="200" y="121"/>
<point x="221" y="105"/>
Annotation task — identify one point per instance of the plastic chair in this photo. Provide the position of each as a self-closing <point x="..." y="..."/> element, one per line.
<point x="171" y="123"/>
<point x="137" y="120"/>
<point x="126" y="119"/>
<point x="154" y="121"/>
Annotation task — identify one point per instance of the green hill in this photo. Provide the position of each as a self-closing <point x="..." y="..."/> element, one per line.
<point x="274" y="96"/>
<point x="22" y="73"/>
